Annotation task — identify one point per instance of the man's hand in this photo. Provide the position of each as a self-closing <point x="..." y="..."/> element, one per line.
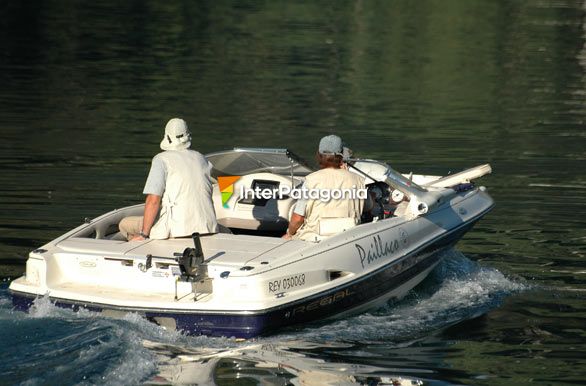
<point x="138" y="238"/>
<point x="294" y="224"/>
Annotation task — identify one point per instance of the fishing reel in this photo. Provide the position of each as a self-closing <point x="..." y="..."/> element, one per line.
<point x="193" y="269"/>
<point x="192" y="262"/>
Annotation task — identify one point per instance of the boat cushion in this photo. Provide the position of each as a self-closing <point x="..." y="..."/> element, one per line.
<point x="332" y="226"/>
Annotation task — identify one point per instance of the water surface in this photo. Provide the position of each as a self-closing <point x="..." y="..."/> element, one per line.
<point x="431" y="87"/>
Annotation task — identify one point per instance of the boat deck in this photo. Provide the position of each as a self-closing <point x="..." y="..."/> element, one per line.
<point x="223" y="249"/>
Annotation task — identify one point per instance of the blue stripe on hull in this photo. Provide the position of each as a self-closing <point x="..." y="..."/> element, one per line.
<point x="323" y="305"/>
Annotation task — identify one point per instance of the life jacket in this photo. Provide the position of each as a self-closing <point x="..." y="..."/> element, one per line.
<point x="186" y="205"/>
<point x="317" y="210"/>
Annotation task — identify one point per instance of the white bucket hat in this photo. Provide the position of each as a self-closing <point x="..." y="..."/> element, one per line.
<point x="177" y="135"/>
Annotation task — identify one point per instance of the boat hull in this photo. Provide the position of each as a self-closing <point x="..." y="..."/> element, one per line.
<point x="390" y="282"/>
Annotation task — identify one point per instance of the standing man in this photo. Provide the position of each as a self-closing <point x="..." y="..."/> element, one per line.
<point x="178" y="189"/>
<point x="305" y="220"/>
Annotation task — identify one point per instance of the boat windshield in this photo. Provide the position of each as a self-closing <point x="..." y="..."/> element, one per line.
<point x="379" y="171"/>
<point x="242" y="161"/>
<point x="399" y="181"/>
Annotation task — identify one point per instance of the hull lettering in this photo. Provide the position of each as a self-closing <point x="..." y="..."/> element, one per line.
<point x="319" y="303"/>
<point x="376" y="250"/>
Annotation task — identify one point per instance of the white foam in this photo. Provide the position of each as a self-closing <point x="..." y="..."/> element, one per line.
<point x="42" y="307"/>
<point x="4" y="301"/>
<point x="122" y="337"/>
<point x="457" y="290"/>
<point x="134" y="366"/>
<point x="465" y="290"/>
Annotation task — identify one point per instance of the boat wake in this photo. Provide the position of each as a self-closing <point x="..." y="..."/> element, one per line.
<point x="60" y="346"/>
<point x="57" y="346"/>
<point x="458" y="289"/>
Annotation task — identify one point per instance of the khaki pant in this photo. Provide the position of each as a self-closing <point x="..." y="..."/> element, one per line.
<point x="130" y="226"/>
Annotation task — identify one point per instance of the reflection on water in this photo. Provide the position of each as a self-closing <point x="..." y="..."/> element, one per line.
<point x="266" y="364"/>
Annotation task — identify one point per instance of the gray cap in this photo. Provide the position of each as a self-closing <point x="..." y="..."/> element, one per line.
<point x="347" y="153"/>
<point x="331" y="144"/>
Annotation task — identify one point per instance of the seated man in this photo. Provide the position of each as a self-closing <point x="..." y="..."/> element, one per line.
<point x="180" y="185"/>
<point x="305" y="220"/>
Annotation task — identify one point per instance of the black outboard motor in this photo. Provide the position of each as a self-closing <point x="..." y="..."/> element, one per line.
<point x="191" y="263"/>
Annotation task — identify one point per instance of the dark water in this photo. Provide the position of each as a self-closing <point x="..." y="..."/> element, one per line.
<point x="430" y="86"/>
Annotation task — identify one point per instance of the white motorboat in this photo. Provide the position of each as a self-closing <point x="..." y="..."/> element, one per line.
<point x="251" y="281"/>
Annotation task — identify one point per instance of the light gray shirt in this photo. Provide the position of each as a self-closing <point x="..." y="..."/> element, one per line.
<point x="155" y="183"/>
<point x="300" y="204"/>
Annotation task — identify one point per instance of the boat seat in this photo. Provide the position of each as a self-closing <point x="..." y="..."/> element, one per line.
<point x="253" y="213"/>
<point x="221" y="229"/>
<point x="331" y="226"/>
<point x="109" y="229"/>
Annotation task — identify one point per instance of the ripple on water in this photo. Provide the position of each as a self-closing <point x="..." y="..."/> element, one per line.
<point x="458" y="289"/>
<point x="51" y="344"/>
